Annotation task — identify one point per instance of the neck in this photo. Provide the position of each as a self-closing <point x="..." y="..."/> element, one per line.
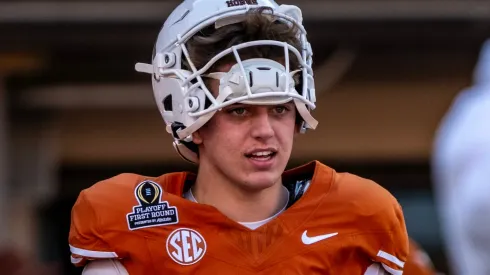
<point x="234" y="201"/>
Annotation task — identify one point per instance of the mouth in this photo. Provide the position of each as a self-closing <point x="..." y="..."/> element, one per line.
<point x="262" y="155"/>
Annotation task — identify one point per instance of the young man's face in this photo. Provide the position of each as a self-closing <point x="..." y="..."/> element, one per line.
<point x="248" y="144"/>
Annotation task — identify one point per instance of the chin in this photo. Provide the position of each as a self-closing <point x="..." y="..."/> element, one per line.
<point x="261" y="180"/>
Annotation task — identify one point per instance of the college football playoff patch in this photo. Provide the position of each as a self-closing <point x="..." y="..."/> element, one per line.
<point x="151" y="211"/>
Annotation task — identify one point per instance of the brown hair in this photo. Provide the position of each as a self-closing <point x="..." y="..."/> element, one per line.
<point x="257" y="26"/>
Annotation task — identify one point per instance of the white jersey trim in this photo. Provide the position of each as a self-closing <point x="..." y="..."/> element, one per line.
<point x="75" y="260"/>
<point x="375" y="269"/>
<point x="391" y="270"/>
<point x="391" y="258"/>
<point x="93" y="254"/>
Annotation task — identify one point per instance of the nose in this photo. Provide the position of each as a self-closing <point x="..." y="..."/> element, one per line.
<point x="261" y="124"/>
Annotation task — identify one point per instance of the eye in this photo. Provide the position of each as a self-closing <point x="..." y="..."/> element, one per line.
<point x="280" y="109"/>
<point x="239" y="111"/>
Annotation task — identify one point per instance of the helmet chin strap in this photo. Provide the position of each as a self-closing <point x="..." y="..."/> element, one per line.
<point x="186" y="153"/>
<point x="305" y="114"/>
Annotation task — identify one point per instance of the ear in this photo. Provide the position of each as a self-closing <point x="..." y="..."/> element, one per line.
<point x="197" y="138"/>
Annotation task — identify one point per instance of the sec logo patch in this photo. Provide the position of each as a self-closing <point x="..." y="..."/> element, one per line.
<point x="186" y="246"/>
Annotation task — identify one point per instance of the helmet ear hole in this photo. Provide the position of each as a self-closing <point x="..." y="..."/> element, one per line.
<point x="167" y="103"/>
<point x="298" y="82"/>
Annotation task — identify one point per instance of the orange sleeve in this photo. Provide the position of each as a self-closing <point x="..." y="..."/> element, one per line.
<point x="388" y="245"/>
<point x="85" y="239"/>
<point x="379" y="229"/>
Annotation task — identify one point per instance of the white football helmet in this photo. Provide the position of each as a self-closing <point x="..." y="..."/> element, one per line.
<point x="181" y="94"/>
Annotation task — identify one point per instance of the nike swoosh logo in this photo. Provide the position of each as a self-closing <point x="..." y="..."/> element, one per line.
<point x="311" y="240"/>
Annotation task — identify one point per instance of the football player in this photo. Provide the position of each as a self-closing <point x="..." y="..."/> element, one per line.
<point x="461" y="162"/>
<point x="234" y="84"/>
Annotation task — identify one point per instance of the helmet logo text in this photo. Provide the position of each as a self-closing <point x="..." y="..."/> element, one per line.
<point x="234" y="3"/>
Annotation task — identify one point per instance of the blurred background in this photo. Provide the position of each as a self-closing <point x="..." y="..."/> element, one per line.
<point x="73" y="111"/>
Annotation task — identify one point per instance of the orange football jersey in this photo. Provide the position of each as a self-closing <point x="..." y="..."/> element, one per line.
<point x="418" y="262"/>
<point x="341" y="224"/>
